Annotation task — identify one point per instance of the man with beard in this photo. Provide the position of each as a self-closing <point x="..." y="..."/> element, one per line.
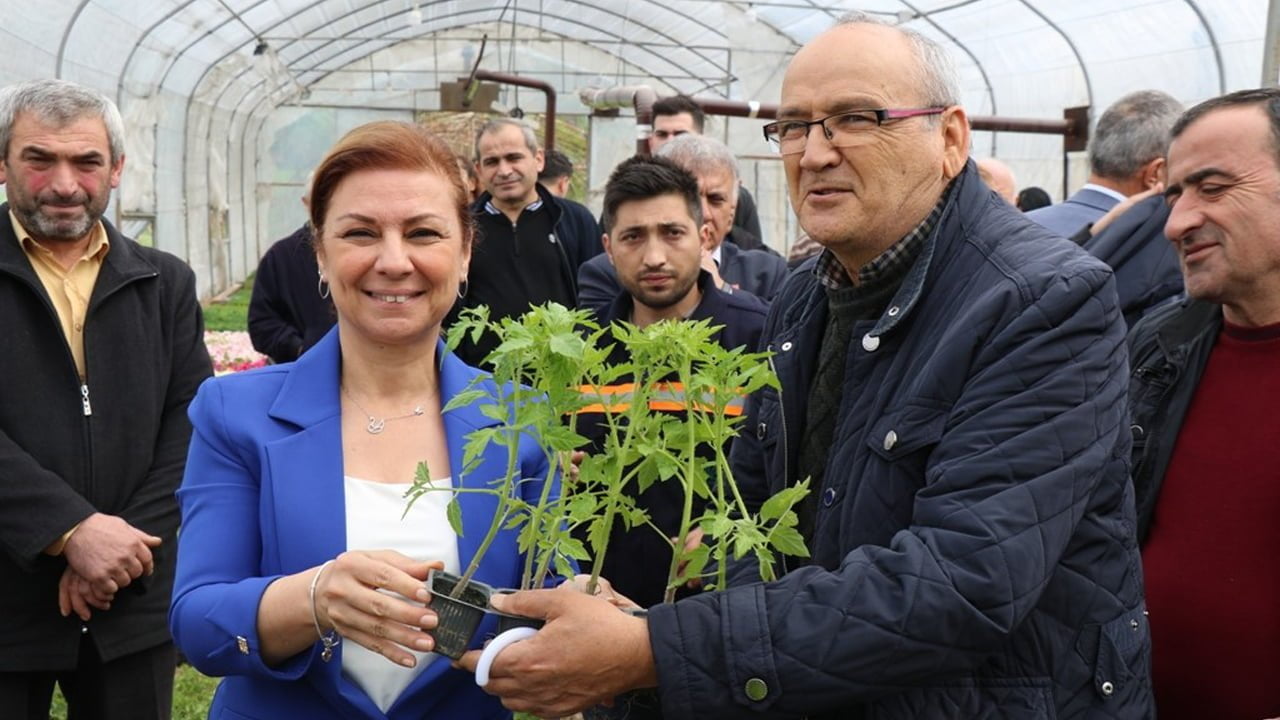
<point x="734" y="269"/>
<point x="655" y="238"/>
<point x="104" y="348"/>
<point x="531" y="243"/>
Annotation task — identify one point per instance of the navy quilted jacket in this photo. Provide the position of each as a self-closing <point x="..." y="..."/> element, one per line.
<point x="974" y="553"/>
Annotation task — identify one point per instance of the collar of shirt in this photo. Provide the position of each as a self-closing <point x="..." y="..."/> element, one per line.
<point x="715" y="254"/>
<point x="1105" y="191"/>
<point x="895" y="260"/>
<point x="97" y="249"/>
<point x="492" y="209"/>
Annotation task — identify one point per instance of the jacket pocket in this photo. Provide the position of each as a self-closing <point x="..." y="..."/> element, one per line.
<point x="907" y="430"/>
<point x="1122" y="665"/>
<point x="986" y="699"/>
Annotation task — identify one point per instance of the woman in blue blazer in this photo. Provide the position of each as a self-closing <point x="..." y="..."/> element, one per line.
<point x="300" y="575"/>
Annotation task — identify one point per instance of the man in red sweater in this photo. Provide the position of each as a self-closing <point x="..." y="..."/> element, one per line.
<point x="1206" y="375"/>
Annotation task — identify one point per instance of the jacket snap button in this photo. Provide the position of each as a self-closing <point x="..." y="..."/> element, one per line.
<point x="760" y="431"/>
<point x="1136" y="431"/>
<point x="890" y="439"/>
<point x="786" y="346"/>
<point x="84" y="629"/>
<point x="242" y="644"/>
<point x="1133" y="624"/>
<point x="870" y="342"/>
<point x="1108" y="688"/>
<point x="893" y="311"/>
<point x="756" y="689"/>
<point x="828" y="497"/>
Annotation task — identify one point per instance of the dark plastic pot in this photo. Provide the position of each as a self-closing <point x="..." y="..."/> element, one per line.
<point x="507" y="622"/>
<point x="458" y="618"/>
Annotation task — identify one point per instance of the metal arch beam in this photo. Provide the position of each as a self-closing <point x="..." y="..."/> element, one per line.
<point x="541" y="12"/>
<point x="1213" y="43"/>
<point x="203" y="75"/>
<point x="317" y="67"/>
<point x="390" y="42"/>
<point x="66" y="35"/>
<point x="986" y="79"/>
<point x="1084" y="69"/>
<point x="134" y="50"/>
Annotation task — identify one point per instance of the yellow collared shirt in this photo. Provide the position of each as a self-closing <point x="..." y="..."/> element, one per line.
<point x="69" y="289"/>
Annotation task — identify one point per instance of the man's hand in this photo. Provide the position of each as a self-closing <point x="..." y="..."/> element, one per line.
<point x="110" y="553"/>
<point x="586" y="654"/>
<point x="75" y="594"/>
<point x="1123" y="206"/>
<point x="709" y="264"/>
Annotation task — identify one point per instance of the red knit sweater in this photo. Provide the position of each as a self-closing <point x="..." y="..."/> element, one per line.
<point x="1212" y="560"/>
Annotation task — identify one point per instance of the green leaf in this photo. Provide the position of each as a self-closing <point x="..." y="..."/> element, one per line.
<point x="572" y="547"/>
<point x="788" y="541"/>
<point x="464" y="398"/>
<point x="454" y="512"/>
<point x="782" y="501"/>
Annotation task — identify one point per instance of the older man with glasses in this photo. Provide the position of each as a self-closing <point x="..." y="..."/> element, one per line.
<point x="953" y="388"/>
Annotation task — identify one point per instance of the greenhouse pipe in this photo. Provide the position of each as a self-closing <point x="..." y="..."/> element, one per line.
<point x="640" y="97"/>
<point x="549" y="137"/>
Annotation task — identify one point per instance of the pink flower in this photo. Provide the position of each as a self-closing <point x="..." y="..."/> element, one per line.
<point x="231" y="351"/>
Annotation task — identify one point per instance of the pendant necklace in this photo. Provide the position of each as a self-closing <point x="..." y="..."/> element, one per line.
<point x="377" y="424"/>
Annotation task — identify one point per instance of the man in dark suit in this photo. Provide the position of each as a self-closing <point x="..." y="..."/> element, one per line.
<point x="732" y="268"/>
<point x="104" y="348"/>
<point x="1126" y="157"/>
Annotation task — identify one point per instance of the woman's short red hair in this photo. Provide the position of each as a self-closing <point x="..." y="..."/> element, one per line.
<point x="387" y="145"/>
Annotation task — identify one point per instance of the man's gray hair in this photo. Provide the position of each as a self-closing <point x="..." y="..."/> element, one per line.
<point x="937" y="80"/>
<point x="1135" y="130"/>
<point x="698" y="154"/>
<point x="59" y="103"/>
<point x="496" y="124"/>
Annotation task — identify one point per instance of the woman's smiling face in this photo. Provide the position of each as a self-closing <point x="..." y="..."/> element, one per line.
<point x="394" y="254"/>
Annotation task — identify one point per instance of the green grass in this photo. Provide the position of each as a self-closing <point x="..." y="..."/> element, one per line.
<point x="192" y="693"/>
<point x="231" y="314"/>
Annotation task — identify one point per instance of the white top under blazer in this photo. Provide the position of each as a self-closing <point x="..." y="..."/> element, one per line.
<point x="375" y="522"/>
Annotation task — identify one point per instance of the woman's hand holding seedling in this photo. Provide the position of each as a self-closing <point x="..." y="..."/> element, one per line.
<point x="349" y="598"/>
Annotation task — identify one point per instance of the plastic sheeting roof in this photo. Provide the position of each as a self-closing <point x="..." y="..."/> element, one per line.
<point x="197" y="97"/>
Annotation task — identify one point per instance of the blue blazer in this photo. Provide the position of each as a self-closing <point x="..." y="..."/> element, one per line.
<point x="263" y="497"/>
<point x="1067" y="217"/>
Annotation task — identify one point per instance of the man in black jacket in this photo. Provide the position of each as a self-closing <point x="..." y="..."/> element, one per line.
<point x="1205" y="378"/>
<point x="733" y="267"/>
<point x="103" y="350"/>
<point x="290" y="308"/>
<point x="656" y="240"/>
<point x="530" y="243"/>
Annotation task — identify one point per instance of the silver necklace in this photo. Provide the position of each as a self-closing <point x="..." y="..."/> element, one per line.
<point x="377" y="424"/>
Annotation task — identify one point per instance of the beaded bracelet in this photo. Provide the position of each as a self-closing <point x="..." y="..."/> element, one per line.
<point x="330" y="639"/>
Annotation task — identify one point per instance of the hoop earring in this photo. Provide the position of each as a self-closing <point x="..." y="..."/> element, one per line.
<point x="462" y="288"/>
<point x="322" y="287"/>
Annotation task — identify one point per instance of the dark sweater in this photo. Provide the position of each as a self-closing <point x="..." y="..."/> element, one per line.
<point x="1209" y="565"/>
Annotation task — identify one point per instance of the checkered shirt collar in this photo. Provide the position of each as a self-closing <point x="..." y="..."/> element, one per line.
<point x="893" y="261"/>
